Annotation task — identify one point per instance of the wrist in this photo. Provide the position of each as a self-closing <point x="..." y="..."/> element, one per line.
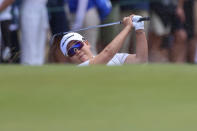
<point x="141" y="31"/>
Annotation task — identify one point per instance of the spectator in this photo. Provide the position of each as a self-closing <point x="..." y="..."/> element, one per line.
<point x="194" y="56"/>
<point x="58" y="23"/>
<point x="86" y="13"/>
<point x="168" y="18"/>
<point x="10" y="44"/>
<point x="190" y="10"/>
<point x="34" y="24"/>
<point x="57" y="16"/>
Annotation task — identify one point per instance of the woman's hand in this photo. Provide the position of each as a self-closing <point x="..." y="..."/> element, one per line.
<point x="127" y="21"/>
<point x="138" y="25"/>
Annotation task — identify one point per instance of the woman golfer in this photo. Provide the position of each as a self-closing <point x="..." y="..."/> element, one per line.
<point x="77" y="49"/>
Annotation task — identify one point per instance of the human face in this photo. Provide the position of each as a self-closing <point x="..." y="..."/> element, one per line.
<point x="79" y="51"/>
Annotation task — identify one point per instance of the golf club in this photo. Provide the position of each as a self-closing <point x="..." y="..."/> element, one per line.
<point x="103" y="25"/>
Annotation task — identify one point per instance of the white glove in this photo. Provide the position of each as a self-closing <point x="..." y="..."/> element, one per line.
<point x="136" y="24"/>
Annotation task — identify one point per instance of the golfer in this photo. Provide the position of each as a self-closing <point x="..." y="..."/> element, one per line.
<point x="77" y="49"/>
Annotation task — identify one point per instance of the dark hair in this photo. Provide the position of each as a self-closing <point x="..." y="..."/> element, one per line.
<point x="55" y="54"/>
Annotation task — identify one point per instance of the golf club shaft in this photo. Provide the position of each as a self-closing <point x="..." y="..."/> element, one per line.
<point x="96" y="26"/>
<point x="106" y="25"/>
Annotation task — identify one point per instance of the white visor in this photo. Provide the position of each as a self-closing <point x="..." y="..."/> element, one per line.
<point x="66" y="39"/>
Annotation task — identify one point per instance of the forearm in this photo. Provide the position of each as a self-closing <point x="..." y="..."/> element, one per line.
<point x="113" y="47"/>
<point x="141" y="46"/>
<point x="117" y="42"/>
<point x="5" y="4"/>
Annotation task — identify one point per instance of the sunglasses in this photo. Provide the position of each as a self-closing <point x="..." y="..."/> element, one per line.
<point x="72" y="50"/>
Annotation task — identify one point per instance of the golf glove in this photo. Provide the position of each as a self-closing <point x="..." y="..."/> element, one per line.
<point x="136" y="24"/>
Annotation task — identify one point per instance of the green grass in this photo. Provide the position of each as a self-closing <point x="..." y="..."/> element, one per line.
<point x="126" y="98"/>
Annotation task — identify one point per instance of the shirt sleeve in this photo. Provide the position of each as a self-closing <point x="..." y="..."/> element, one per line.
<point x="121" y="57"/>
<point x="118" y="59"/>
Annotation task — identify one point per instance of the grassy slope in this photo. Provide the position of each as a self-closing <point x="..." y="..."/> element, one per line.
<point x="64" y="98"/>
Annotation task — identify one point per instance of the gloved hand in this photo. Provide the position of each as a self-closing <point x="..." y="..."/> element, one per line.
<point x="136" y="24"/>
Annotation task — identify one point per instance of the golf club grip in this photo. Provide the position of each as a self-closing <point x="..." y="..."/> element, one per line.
<point x="141" y="19"/>
<point x="144" y="19"/>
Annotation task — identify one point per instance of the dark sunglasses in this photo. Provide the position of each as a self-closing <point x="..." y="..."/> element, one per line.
<point x="72" y="51"/>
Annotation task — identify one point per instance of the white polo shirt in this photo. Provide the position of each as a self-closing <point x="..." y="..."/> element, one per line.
<point x="118" y="59"/>
<point x="6" y="13"/>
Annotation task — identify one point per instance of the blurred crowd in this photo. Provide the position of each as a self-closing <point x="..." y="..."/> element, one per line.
<point x="27" y="27"/>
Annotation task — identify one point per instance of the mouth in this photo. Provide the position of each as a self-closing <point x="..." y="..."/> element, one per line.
<point x="82" y="57"/>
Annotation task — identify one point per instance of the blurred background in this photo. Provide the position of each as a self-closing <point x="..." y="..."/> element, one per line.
<point x="27" y="27"/>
